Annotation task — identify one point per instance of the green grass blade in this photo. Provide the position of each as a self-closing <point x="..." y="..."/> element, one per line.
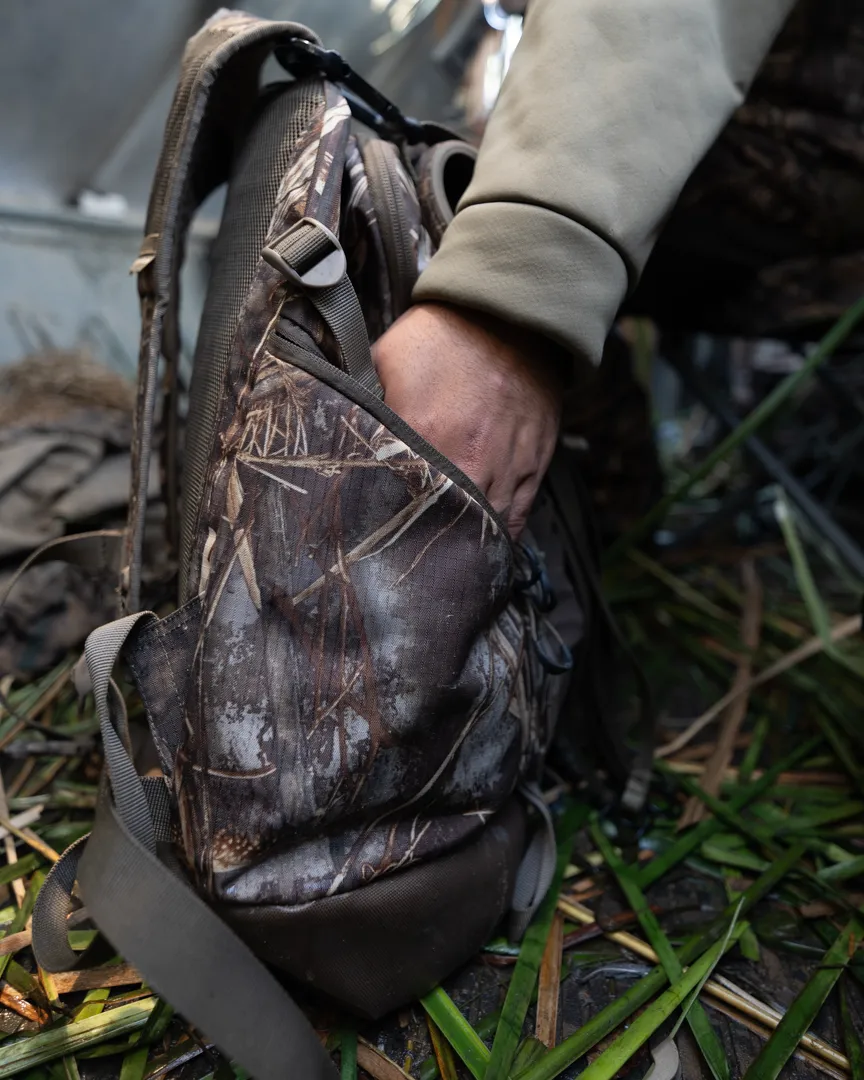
<point x="134" y="1064"/>
<point x="157" y="1024"/>
<point x="693" y="838"/>
<point x="723" y="812"/>
<point x="607" y="1020"/>
<point x="64" y="1069"/>
<point x="847" y="757"/>
<point x="21" y="916"/>
<point x="93" y="1004"/>
<point x="643" y="1027"/>
<point x="681" y="588"/>
<point x="348" y="1053"/>
<point x="851" y="1040"/>
<point x="691" y="1001"/>
<point x="530" y="1050"/>
<point x="823" y="881"/>
<point x="25" y="865"/>
<point x="700" y="1025"/>
<point x="813" y="602"/>
<point x="828" y="932"/>
<point x="804" y="1009"/>
<point x="748" y="943"/>
<point x="457" y="1031"/>
<point x="821" y="816"/>
<point x="801" y="569"/>
<point x="843" y="871"/>
<point x="442" y="1052"/>
<point x="70" y="1038"/>
<point x="748" y="426"/>
<point x="739" y="857"/>
<point x="484" y="1028"/>
<point x="524" y="978"/>
<point x="754" y="750"/>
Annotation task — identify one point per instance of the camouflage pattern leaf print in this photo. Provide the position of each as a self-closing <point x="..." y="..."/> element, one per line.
<point x="359" y="667"/>
<point x="359" y="693"/>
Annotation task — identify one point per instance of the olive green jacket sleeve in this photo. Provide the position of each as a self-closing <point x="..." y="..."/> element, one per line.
<point x="606" y="109"/>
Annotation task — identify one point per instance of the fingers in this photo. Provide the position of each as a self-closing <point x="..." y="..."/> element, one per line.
<point x="476" y="399"/>
<point x="514" y="486"/>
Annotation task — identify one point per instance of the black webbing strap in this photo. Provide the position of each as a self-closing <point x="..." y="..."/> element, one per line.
<point x="565" y="494"/>
<point x="183" y="950"/>
<point x="159" y="924"/>
<point x="190" y="165"/>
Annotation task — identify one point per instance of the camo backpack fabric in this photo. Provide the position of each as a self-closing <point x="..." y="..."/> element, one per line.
<point x="352" y="703"/>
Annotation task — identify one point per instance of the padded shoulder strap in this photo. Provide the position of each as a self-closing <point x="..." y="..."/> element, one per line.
<point x="216" y="92"/>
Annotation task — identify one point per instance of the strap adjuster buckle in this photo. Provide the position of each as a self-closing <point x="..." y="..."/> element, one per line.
<point x="307" y="254"/>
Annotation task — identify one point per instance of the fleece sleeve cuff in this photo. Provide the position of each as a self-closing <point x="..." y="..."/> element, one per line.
<point x="531" y="267"/>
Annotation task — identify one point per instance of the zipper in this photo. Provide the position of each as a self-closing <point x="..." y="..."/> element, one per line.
<point x="289" y="333"/>
<point x="381" y="160"/>
<point x="291" y="338"/>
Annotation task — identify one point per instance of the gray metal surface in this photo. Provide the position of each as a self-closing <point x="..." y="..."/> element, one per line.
<point x="65" y="283"/>
<point x="85" y="88"/>
<point x="73" y="78"/>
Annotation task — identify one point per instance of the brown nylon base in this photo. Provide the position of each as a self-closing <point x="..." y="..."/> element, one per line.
<point x="385" y="944"/>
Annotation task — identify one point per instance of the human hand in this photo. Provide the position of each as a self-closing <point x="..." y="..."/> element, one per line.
<point x="486" y="395"/>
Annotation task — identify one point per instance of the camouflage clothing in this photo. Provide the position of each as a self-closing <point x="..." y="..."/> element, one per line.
<point x="768" y="235"/>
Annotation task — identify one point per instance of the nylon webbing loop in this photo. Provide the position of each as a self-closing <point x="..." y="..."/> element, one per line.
<point x="128" y="891"/>
<point x="537" y="868"/>
<point x="54" y="903"/>
<point x="53" y="906"/>
<point x="310" y="255"/>
<point x="184" y="176"/>
<point x="101" y="651"/>
<point x="192" y="958"/>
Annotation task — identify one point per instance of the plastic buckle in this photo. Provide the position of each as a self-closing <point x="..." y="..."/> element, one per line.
<point x="329" y="265"/>
<point x="302" y="57"/>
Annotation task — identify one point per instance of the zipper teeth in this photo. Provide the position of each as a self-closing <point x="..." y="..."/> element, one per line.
<point x="380" y="177"/>
<point x="428" y="449"/>
<point x="418" y="444"/>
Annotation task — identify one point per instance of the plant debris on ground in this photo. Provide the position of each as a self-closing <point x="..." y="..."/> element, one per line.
<point x="756" y="662"/>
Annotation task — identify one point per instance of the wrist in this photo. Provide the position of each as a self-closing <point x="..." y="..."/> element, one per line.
<point x="515" y="349"/>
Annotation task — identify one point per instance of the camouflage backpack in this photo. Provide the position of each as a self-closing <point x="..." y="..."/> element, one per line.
<point x="352" y="702"/>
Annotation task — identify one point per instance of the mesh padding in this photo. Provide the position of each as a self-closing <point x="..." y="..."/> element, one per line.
<point x="252" y="190"/>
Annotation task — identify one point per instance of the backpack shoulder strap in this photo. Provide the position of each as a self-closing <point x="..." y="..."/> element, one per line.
<point x="215" y="96"/>
<point x="128" y="890"/>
